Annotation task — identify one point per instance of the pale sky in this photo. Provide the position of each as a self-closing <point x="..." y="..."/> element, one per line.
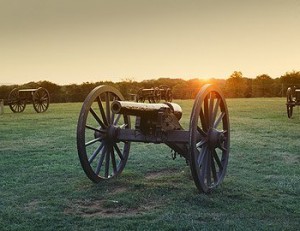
<point x="72" y="41"/>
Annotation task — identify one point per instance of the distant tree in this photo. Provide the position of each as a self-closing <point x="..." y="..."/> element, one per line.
<point x="5" y="90"/>
<point x="128" y="87"/>
<point x="181" y="90"/>
<point x="262" y="86"/>
<point x="236" y="85"/>
<point x="291" y="78"/>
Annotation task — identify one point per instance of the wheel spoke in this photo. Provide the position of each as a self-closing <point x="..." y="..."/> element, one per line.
<point x="215" y="111"/>
<point x="113" y="160"/>
<point x="102" y="110"/>
<point x="203" y="167"/>
<point x="201" y="143"/>
<point x="202" y="133"/>
<point x="201" y="155"/>
<point x="217" y="122"/>
<point x="213" y="169"/>
<point x="216" y="157"/>
<point x="92" y="141"/>
<point x="203" y="121"/>
<point x="96" y="152"/>
<point x="113" y="114"/>
<point x="211" y="108"/>
<point x="118" y="152"/>
<point x="117" y="119"/>
<point x="100" y="162"/>
<point x="223" y="148"/>
<point x="206" y="112"/>
<point x="95" y="129"/>
<point x="107" y="161"/>
<point x="97" y="118"/>
<point x="208" y="167"/>
<point x="107" y="107"/>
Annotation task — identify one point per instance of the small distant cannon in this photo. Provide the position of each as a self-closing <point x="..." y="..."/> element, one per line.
<point x="292" y="99"/>
<point x="166" y="93"/>
<point x="154" y="94"/>
<point x="104" y="134"/>
<point x="18" y="98"/>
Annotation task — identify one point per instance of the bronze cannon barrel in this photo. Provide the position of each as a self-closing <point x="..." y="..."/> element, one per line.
<point x="142" y="109"/>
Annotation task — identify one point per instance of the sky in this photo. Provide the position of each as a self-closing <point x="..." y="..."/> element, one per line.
<point x="72" y="41"/>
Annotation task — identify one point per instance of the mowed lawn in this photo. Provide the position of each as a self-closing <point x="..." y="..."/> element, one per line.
<point x="43" y="187"/>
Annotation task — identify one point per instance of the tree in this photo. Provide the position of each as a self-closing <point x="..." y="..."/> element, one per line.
<point x="262" y="86"/>
<point x="236" y="85"/>
<point x="291" y="78"/>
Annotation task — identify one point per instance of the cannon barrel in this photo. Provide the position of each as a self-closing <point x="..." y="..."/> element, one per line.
<point x="142" y="109"/>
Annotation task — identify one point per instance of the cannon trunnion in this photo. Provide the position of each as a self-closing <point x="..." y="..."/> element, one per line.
<point x="104" y="133"/>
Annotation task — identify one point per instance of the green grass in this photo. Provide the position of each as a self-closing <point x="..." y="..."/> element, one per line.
<point x="43" y="186"/>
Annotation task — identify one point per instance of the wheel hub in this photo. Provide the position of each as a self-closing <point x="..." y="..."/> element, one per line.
<point x="110" y="133"/>
<point x="215" y="138"/>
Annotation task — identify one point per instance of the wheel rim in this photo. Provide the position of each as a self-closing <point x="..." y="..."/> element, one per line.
<point x="139" y="96"/>
<point x="209" y="138"/>
<point x="16" y="104"/>
<point x="289" y="101"/>
<point x="169" y="96"/>
<point x="41" y="100"/>
<point x="157" y="95"/>
<point x="289" y="111"/>
<point x="100" y="154"/>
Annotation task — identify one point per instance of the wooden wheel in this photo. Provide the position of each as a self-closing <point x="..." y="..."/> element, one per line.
<point x="41" y="100"/>
<point x="289" y="102"/>
<point x="169" y="96"/>
<point x="209" y="138"/>
<point x="157" y="95"/>
<point x="16" y="104"/>
<point x="101" y="155"/>
<point x="139" y="96"/>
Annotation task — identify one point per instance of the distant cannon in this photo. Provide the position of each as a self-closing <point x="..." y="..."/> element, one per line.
<point x="104" y="134"/>
<point x="154" y="94"/>
<point x="292" y="100"/>
<point x="18" y="98"/>
<point x="151" y="94"/>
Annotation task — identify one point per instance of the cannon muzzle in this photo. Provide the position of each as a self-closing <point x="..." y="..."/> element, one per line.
<point x="145" y="109"/>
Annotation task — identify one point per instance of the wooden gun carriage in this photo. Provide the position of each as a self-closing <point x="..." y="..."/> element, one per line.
<point x="154" y="94"/>
<point x="292" y="99"/>
<point x="104" y="133"/>
<point x="18" y="98"/>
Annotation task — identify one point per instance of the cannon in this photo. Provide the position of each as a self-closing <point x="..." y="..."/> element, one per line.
<point x="151" y="94"/>
<point x="18" y="98"/>
<point x="166" y="93"/>
<point x="292" y="100"/>
<point x="154" y="94"/>
<point x="104" y="133"/>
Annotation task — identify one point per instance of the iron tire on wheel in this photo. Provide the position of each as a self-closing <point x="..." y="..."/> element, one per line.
<point x="101" y="156"/>
<point x="16" y="104"/>
<point x="139" y="96"/>
<point x="289" y="109"/>
<point x="169" y="96"/>
<point x="157" y="95"/>
<point x="289" y="102"/>
<point x="209" y="139"/>
<point x="41" y="100"/>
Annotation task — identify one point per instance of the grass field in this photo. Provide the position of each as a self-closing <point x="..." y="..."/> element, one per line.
<point x="43" y="186"/>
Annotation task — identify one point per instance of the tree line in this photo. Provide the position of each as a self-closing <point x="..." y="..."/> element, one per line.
<point x="236" y="86"/>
